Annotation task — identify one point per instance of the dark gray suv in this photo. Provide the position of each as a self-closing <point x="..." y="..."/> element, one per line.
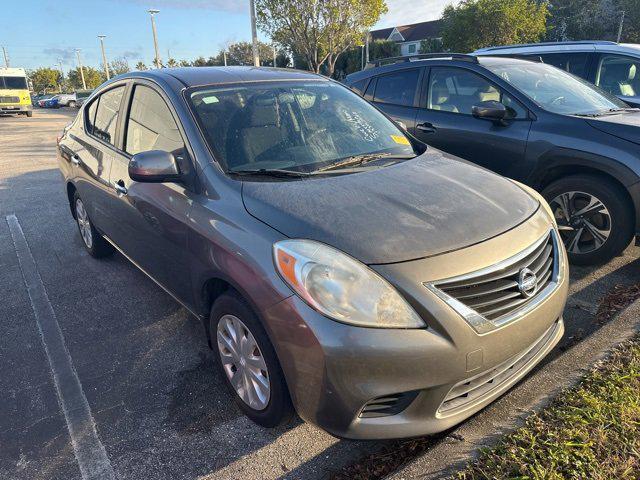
<point x="381" y="288"/>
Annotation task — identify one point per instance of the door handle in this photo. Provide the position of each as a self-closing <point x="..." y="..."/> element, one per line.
<point x="75" y="159"/>
<point x="121" y="190"/>
<point x="426" y="127"/>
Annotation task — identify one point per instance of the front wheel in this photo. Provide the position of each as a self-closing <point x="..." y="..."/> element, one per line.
<point x="594" y="216"/>
<point x="29" y="114"/>
<point x="71" y="104"/>
<point x="248" y="361"/>
<point x="95" y="244"/>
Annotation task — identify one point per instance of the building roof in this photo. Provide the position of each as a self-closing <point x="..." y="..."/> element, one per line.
<point x="411" y="33"/>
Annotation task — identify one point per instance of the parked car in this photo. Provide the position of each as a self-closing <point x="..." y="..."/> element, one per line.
<point x="53" y="102"/>
<point x="41" y="98"/>
<point x="81" y="96"/>
<point x="614" y="67"/>
<point x="531" y="122"/>
<point x="67" y="99"/>
<point x="382" y="288"/>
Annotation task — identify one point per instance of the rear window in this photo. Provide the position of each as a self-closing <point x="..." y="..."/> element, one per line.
<point x="398" y="88"/>
<point x="13" y="83"/>
<point x="107" y="114"/>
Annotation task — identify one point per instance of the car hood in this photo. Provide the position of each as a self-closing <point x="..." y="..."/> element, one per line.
<point x="625" y="126"/>
<point x="414" y="209"/>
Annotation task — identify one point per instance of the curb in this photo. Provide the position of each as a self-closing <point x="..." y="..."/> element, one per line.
<point x="463" y="443"/>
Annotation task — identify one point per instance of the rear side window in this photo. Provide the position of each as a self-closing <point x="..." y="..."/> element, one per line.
<point x="575" y="63"/>
<point x="368" y="94"/>
<point x="107" y="114"/>
<point x="398" y="88"/>
<point x="91" y="116"/>
<point x="150" y="125"/>
<point x="358" y="87"/>
<point x="619" y="75"/>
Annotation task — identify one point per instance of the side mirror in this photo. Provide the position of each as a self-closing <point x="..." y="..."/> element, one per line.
<point x="491" y="110"/>
<point x="154" y="166"/>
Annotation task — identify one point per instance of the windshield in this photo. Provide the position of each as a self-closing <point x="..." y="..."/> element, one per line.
<point x="555" y="90"/>
<point x="13" y="83"/>
<point x="293" y="126"/>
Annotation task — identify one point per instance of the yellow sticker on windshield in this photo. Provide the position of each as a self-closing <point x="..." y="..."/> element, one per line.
<point x="401" y="139"/>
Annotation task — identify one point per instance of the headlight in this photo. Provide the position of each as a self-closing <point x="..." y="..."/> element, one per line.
<point x="341" y="287"/>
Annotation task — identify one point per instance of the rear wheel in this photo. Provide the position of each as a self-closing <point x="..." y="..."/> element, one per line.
<point x="71" y="104"/>
<point x="248" y="361"/>
<point x="29" y="113"/>
<point x="95" y="244"/>
<point x="594" y="215"/>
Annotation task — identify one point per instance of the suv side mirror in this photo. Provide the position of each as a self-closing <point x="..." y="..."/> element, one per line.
<point x="491" y="110"/>
<point x="154" y="166"/>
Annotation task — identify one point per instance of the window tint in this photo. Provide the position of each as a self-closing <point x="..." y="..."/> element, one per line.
<point x="358" y="87"/>
<point x="107" y="114"/>
<point x="150" y="125"/>
<point x="456" y="90"/>
<point x="575" y="63"/>
<point x="13" y="83"/>
<point x="368" y="94"/>
<point x="619" y="75"/>
<point x="90" y="116"/>
<point x="398" y="88"/>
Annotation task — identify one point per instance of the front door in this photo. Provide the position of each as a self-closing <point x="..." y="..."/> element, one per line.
<point x="446" y="121"/>
<point x="619" y="75"/>
<point x="150" y="219"/>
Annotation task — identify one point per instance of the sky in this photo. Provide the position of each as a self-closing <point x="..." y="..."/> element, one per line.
<point x="187" y="29"/>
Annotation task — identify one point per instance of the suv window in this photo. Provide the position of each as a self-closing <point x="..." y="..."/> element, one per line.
<point x="398" y="88"/>
<point x="575" y="63"/>
<point x="150" y="125"/>
<point x="358" y="87"/>
<point x="456" y="90"/>
<point x="91" y="116"/>
<point x="107" y="114"/>
<point x="619" y="75"/>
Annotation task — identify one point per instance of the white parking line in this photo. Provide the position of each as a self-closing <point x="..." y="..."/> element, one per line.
<point x="89" y="451"/>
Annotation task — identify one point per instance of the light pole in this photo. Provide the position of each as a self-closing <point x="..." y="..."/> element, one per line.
<point x="620" y="28"/>
<point x="254" y="33"/>
<point x="152" y="12"/>
<point x="61" y="74"/>
<point x="6" y="57"/>
<point x="104" y="56"/>
<point x="84" y="84"/>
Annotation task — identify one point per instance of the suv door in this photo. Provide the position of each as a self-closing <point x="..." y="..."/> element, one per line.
<point x="619" y="75"/>
<point x="150" y="220"/>
<point x="397" y="94"/>
<point x="446" y="121"/>
<point x="93" y="154"/>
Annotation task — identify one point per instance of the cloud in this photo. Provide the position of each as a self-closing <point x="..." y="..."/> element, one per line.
<point x="66" y="54"/>
<point x="233" y="6"/>
<point x="134" y="53"/>
<point x="403" y="12"/>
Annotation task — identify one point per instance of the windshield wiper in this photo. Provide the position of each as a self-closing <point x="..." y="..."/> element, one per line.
<point x="271" y="172"/>
<point x="358" y="160"/>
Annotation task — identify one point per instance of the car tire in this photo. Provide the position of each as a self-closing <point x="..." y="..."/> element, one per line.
<point x="29" y="114"/>
<point x="93" y="242"/>
<point x="71" y="104"/>
<point x="268" y="406"/>
<point x="607" y="227"/>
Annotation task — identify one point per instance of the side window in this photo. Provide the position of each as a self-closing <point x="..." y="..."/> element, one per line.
<point x="619" y="75"/>
<point x="90" y="115"/>
<point x="456" y="90"/>
<point x="575" y="63"/>
<point x="412" y="48"/>
<point x="368" y="94"/>
<point x="358" y="87"/>
<point x="150" y="125"/>
<point x="398" y="88"/>
<point x="107" y="114"/>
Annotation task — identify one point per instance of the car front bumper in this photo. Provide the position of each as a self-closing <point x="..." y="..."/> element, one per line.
<point x="338" y="374"/>
<point x="14" y="108"/>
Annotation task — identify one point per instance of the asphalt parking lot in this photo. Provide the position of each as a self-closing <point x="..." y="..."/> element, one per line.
<point x="159" y="408"/>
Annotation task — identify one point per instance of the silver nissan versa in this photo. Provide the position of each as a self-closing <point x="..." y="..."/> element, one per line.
<point x="340" y="267"/>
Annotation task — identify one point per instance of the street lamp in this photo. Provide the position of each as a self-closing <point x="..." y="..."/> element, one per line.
<point x="84" y="84"/>
<point x="61" y="74"/>
<point x="104" y="57"/>
<point x="152" y="12"/>
<point x="254" y="34"/>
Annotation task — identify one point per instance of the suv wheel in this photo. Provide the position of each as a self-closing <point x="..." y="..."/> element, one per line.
<point x="594" y="217"/>
<point x="95" y="244"/>
<point x="248" y="362"/>
<point x="71" y="104"/>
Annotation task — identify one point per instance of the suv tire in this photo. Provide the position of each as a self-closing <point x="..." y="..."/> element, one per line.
<point x="231" y="314"/>
<point x="93" y="242"/>
<point x="71" y="104"/>
<point x="612" y="217"/>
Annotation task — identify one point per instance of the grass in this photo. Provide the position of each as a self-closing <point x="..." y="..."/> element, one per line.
<point x="590" y="431"/>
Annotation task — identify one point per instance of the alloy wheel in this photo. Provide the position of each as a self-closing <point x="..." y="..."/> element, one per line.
<point x="583" y="221"/>
<point x="243" y="362"/>
<point x="84" y="224"/>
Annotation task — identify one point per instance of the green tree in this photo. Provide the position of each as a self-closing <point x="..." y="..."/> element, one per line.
<point x="172" y="63"/>
<point x="92" y="77"/>
<point x="119" y="66"/>
<point x="351" y="60"/>
<point x="241" y="53"/>
<point x="431" y="45"/>
<point x="45" y="78"/>
<point x="318" y="30"/>
<point x="474" y="24"/>
<point x="141" y="66"/>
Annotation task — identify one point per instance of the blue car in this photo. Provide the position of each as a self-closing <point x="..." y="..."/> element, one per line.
<point x="53" y="102"/>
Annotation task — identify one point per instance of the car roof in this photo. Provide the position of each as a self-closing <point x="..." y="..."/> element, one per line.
<point x="195" y="76"/>
<point x="578" y="46"/>
<point x="485" y="60"/>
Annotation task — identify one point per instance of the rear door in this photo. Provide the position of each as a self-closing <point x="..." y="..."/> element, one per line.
<point x="446" y="121"/>
<point x="150" y="220"/>
<point x="397" y="94"/>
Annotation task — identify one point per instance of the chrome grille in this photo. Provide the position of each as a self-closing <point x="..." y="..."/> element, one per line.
<point x="487" y="298"/>
<point x="478" y="388"/>
<point x="7" y="99"/>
